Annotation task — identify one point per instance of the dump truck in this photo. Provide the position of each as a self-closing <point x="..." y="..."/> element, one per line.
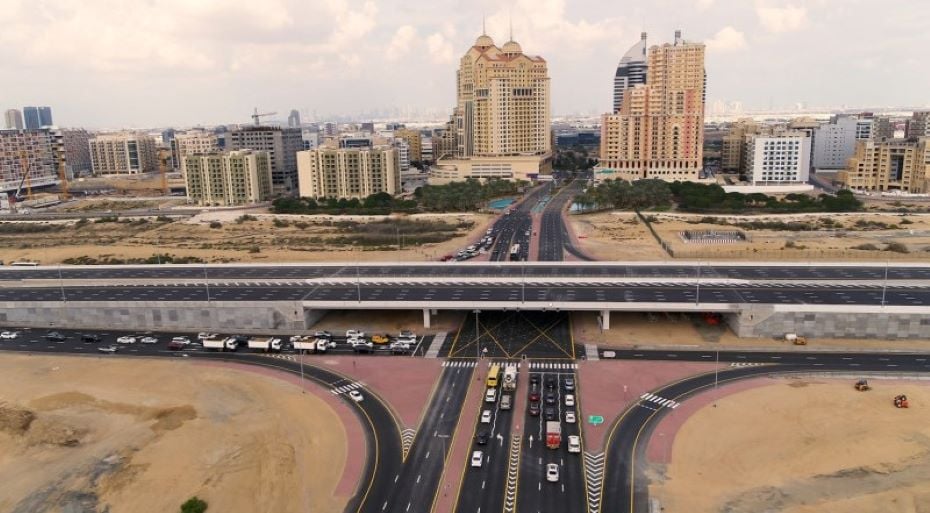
<point x="796" y="339"/>
<point x="266" y="344"/>
<point x="221" y="344"/>
<point x="553" y="434"/>
<point x="510" y="378"/>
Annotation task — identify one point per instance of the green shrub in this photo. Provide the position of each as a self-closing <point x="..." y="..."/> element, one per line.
<point x="194" y="505"/>
<point x="245" y="217"/>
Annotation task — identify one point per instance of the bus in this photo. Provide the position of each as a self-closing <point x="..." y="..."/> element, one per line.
<point x="493" y="375"/>
<point x="515" y="252"/>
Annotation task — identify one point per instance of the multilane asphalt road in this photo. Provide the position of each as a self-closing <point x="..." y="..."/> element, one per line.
<point x="554" y="238"/>
<point x="416" y="294"/>
<point x="471" y="270"/>
<point x="513" y="228"/>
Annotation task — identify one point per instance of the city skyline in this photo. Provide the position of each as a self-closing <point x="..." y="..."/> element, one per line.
<point x="211" y="62"/>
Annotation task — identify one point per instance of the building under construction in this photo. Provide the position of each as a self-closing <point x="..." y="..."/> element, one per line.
<point x="30" y="159"/>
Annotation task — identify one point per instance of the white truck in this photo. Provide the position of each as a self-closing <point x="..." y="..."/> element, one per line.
<point x="510" y="378"/>
<point x="221" y="344"/>
<point x="266" y="344"/>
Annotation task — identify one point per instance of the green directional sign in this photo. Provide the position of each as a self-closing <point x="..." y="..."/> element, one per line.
<point x="594" y="420"/>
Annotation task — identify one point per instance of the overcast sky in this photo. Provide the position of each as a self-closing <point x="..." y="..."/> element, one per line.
<point x="148" y="63"/>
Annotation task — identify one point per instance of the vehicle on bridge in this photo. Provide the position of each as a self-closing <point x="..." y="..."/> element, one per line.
<point x="515" y="252"/>
<point x="553" y="434"/>
<point x="265" y="344"/>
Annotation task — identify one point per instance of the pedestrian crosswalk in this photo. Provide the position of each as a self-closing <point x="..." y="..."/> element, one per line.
<point x="661" y="401"/>
<point x="288" y="357"/>
<point x="553" y="366"/>
<point x="745" y="364"/>
<point x="347" y="388"/>
<point x="459" y="363"/>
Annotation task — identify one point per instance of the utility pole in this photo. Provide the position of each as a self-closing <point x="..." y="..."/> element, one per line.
<point x="697" y="295"/>
<point x="885" y="284"/>
<point x="206" y="281"/>
<point x="477" y="337"/>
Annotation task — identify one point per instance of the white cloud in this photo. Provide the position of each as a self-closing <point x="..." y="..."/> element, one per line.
<point x="704" y="5"/>
<point x="787" y="18"/>
<point x="727" y="39"/>
<point x="542" y="26"/>
<point x="439" y="48"/>
<point x="401" y="42"/>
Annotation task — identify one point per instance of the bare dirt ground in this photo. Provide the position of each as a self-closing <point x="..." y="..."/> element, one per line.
<point x="82" y="435"/>
<point x="803" y="446"/>
<point x="633" y="329"/>
<point x="263" y="238"/>
<point x="857" y="236"/>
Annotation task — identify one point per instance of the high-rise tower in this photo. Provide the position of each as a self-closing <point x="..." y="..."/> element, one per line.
<point x="631" y="71"/>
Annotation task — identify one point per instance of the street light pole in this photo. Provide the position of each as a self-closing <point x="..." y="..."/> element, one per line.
<point x="206" y="281"/>
<point x="61" y="284"/>
<point x="697" y="295"/>
<point x="885" y="284"/>
<point x="477" y="337"/>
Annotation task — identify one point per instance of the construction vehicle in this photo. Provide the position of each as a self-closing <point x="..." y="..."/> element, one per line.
<point x="900" y="401"/>
<point x="796" y="339"/>
<point x="266" y="344"/>
<point x="863" y="385"/>
<point x="510" y="378"/>
<point x="221" y="344"/>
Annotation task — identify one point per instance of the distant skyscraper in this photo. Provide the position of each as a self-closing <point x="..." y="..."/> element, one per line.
<point x="45" y="116"/>
<point x="293" y="119"/>
<point x="31" y="114"/>
<point x="659" y="131"/>
<point x="13" y="119"/>
<point x="631" y="71"/>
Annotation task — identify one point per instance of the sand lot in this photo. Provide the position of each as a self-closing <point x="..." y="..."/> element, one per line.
<point x="804" y="446"/>
<point x="615" y="236"/>
<point x="118" y="435"/>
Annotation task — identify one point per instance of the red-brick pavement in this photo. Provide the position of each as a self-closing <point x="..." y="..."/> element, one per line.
<point x="356" y="448"/>
<point x="607" y="387"/>
<point x="454" y="470"/>
<point x="534" y="237"/>
<point x="406" y="384"/>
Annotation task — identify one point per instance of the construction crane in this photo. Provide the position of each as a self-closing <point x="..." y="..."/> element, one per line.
<point x="17" y="196"/>
<point x="256" y="117"/>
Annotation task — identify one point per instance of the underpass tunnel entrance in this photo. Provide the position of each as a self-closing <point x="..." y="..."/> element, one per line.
<point x="513" y="334"/>
<point x="628" y="329"/>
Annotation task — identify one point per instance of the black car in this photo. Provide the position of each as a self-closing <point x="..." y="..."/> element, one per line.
<point x="550" y="382"/>
<point x="569" y="384"/>
<point x="482" y="438"/>
<point x="549" y="412"/>
<point x="534" y="380"/>
<point x="90" y="338"/>
<point x="54" y="336"/>
<point x="550" y="398"/>
<point x="534" y="409"/>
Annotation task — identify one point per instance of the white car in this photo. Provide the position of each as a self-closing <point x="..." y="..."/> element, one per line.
<point x="491" y="395"/>
<point x="356" y="395"/>
<point x="570" y="416"/>
<point x="9" y="335"/>
<point x="108" y="349"/>
<point x="181" y="340"/>
<point x="126" y="340"/>
<point x="205" y="335"/>
<point x="569" y="400"/>
<point x="477" y="458"/>
<point x="149" y="340"/>
<point x="486" y="417"/>
<point x="552" y="473"/>
<point x="574" y="443"/>
<point x="355" y="334"/>
<point x="407" y="334"/>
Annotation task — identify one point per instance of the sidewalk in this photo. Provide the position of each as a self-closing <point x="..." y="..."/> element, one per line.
<point x="454" y="469"/>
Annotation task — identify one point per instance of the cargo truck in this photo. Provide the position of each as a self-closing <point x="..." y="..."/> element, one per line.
<point x="553" y="434"/>
<point x="510" y="378"/>
<point x="221" y="344"/>
<point x="266" y="344"/>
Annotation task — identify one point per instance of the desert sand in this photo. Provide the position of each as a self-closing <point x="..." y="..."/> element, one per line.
<point x="118" y="435"/>
<point x="803" y="446"/>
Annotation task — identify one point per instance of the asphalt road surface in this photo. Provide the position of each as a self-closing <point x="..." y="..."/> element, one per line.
<point x="471" y="269"/>
<point x="416" y="295"/>
<point x="536" y="494"/>
<point x="514" y="228"/>
<point x="554" y="238"/>
<point x="512" y="335"/>
<point x="625" y="485"/>
<point x="381" y="431"/>
<point x="417" y="485"/>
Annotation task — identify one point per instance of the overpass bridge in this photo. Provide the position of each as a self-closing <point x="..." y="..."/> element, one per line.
<point x="756" y="299"/>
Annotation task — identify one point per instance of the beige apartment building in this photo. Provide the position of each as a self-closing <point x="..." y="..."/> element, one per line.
<point x="502" y="113"/>
<point x="348" y="172"/>
<point x="195" y="142"/>
<point x="889" y="165"/>
<point x="659" y="132"/>
<point x="734" y="143"/>
<point x="121" y="154"/>
<point x="233" y="178"/>
<point x="414" y="141"/>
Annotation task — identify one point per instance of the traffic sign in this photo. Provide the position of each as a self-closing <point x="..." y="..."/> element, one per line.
<point x="594" y="420"/>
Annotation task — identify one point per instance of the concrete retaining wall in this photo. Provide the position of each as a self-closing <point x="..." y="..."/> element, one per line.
<point x="193" y="316"/>
<point x="771" y="323"/>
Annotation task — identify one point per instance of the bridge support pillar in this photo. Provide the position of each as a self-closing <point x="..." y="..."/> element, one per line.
<point x="604" y="319"/>
<point x="426" y="318"/>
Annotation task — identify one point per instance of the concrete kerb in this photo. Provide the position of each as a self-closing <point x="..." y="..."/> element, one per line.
<point x="759" y="349"/>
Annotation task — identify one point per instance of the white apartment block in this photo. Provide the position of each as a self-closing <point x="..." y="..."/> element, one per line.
<point x="779" y="158"/>
<point x="403" y="153"/>
<point x="40" y="152"/>
<point x="348" y="172"/>
<point x="224" y="179"/>
<point x="122" y="154"/>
